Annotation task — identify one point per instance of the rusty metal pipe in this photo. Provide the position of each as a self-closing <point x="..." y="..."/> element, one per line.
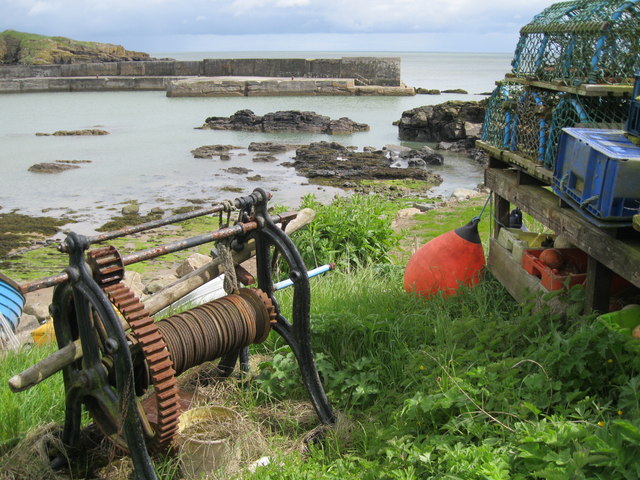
<point x="136" y="257"/>
<point x="148" y="225"/>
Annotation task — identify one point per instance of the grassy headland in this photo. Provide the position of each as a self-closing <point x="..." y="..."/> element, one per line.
<point x="33" y="49"/>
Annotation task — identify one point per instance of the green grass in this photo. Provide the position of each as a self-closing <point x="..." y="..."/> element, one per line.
<point x="473" y="386"/>
<point x="21" y="412"/>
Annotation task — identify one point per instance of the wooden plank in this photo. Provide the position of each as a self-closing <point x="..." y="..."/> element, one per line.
<point x="585" y="89"/>
<point x="532" y="168"/>
<point x="621" y="256"/>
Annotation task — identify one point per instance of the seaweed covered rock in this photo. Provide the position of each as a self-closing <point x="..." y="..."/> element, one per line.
<point x="336" y="163"/>
<point x="284" y="121"/>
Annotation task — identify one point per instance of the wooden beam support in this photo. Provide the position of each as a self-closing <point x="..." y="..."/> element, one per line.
<point x="597" y="287"/>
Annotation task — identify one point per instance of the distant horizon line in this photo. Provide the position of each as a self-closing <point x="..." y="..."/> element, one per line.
<point x="332" y="51"/>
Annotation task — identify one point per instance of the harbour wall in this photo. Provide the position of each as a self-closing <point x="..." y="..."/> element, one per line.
<point x="381" y="71"/>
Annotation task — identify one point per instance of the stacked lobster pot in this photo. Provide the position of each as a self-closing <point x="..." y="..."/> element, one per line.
<point x="573" y="67"/>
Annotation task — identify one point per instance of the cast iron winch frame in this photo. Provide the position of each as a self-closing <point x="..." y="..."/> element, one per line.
<point x="108" y="377"/>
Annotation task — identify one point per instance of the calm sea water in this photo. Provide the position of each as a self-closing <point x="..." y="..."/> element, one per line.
<point x="147" y="155"/>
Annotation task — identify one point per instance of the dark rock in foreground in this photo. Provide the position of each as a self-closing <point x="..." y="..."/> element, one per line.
<point x="337" y="163"/>
<point x="448" y="122"/>
<point x="284" y="121"/>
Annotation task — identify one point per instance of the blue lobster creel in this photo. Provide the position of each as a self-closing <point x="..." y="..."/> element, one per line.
<point x="11" y="301"/>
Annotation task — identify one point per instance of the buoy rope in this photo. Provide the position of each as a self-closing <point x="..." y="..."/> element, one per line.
<point x="479" y="216"/>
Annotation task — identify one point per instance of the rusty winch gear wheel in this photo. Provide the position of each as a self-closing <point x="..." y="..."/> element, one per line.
<point x="158" y="362"/>
<point x="158" y="359"/>
<point x="105" y="262"/>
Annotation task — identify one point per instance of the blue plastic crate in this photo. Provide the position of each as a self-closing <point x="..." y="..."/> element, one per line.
<point x="599" y="172"/>
<point x="633" y="122"/>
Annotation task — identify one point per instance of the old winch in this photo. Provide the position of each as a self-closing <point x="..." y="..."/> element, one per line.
<point x="108" y="353"/>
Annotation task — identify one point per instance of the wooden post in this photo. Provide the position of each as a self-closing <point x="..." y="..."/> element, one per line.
<point x="597" y="287"/>
<point x="501" y="209"/>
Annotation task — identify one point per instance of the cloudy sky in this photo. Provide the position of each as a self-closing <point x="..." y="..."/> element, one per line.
<point x="303" y="25"/>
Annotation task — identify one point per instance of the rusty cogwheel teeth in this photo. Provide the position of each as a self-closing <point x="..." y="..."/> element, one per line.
<point x="106" y="265"/>
<point x="268" y="304"/>
<point x="158" y="359"/>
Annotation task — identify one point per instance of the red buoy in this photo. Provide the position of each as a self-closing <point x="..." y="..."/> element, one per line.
<point x="444" y="263"/>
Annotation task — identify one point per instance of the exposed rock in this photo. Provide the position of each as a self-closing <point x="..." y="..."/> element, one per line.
<point x="133" y="280"/>
<point x="427" y="91"/>
<point x="456" y="90"/>
<point x="255" y="178"/>
<point x="461" y="194"/>
<point x="425" y="207"/>
<point x="237" y="170"/>
<point x="337" y="164"/>
<point x="191" y="263"/>
<point x="210" y="151"/>
<point x="466" y="146"/>
<point x="38" y="310"/>
<point x="426" y="155"/>
<point x="157" y="211"/>
<point x="264" y="158"/>
<point x="271" y="147"/>
<point x="447" y="121"/>
<point x="68" y="133"/>
<point x="284" y="121"/>
<point x="159" y="283"/>
<point x="396" y="148"/>
<point x="27" y="48"/>
<point x="51" y="167"/>
<point x="131" y="209"/>
<point x="28" y="323"/>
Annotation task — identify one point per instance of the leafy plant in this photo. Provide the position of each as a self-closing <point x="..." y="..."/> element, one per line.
<point x="351" y="231"/>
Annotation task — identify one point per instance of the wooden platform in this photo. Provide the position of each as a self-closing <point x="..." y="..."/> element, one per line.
<point x="584" y="89"/>
<point x="610" y="251"/>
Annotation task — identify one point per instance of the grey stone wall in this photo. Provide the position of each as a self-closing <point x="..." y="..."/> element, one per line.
<point x="383" y="71"/>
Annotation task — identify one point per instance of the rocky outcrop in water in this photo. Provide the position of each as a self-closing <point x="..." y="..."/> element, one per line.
<point x="210" y="151"/>
<point x="67" y="133"/>
<point x="284" y="121"/>
<point x="32" y="49"/>
<point x="57" y="166"/>
<point x="338" y="164"/>
<point x="456" y="125"/>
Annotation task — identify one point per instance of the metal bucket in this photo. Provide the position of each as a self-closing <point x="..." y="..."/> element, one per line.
<point x="11" y="302"/>
<point x="205" y="440"/>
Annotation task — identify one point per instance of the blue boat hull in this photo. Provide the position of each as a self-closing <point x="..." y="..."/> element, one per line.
<point x="11" y="301"/>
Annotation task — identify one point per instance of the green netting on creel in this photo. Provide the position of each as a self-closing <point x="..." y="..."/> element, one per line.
<point x="529" y="120"/>
<point x="517" y="118"/>
<point x="586" y="112"/>
<point x="581" y="41"/>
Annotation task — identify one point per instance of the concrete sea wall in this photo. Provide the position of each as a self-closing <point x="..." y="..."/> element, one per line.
<point x="382" y="71"/>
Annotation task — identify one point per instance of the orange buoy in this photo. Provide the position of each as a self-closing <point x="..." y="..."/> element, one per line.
<point x="444" y="263"/>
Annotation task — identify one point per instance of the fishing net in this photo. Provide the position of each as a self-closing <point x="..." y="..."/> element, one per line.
<point x="581" y="41"/>
<point x="585" y="112"/>
<point x="529" y="120"/>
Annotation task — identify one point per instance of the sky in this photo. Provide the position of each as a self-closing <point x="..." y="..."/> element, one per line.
<point x="279" y="25"/>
